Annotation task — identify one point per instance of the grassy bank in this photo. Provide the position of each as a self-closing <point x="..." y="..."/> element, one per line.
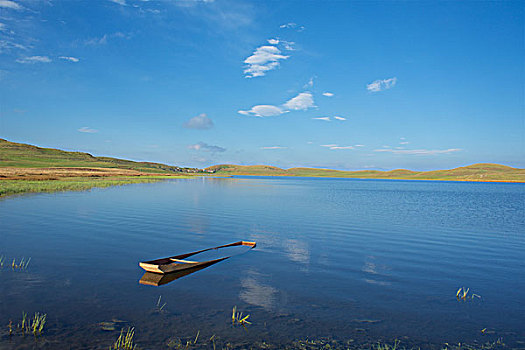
<point x="13" y="187"/>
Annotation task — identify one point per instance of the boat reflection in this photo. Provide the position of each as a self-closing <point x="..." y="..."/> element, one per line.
<point x="159" y="279"/>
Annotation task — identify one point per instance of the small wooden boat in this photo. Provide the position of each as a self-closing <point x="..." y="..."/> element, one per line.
<point x="179" y="262"/>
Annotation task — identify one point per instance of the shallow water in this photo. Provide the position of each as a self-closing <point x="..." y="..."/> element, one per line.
<point x="353" y="260"/>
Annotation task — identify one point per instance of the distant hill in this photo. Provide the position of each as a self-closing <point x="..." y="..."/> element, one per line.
<point x="475" y="172"/>
<point x="27" y="156"/>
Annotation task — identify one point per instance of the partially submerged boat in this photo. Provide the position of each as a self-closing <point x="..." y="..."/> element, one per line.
<point x="180" y="262"/>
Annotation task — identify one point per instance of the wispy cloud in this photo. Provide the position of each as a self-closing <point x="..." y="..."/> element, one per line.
<point x="337" y="147"/>
<point x="10" y="5"/>
<point x="328" y="94"/>
<point x="292" y="25"/>
<point x="274" y="147"/>
<point x="273" y="41"/>
<point x="69" y="58"/>
<point x="199" y="122"/>
<point x="359" y="145"/>
<point x="327" y="119"/>
<point x="404" y="143"/>
<point x="120" y="2"/>
<point x="309" y="84"/>
<point x="34" y="59"/>
<point x="263" y="111"/>
<point x="380" y="85"/>
<point x="302" y="102"/>
<point x="263" y="59"/>
<point x="201" y="146"/>
<point x="104" y="39"/>
<point x="342" y="147"/>
<point x="339" y="118"/>
<point x="419" y="151"/>
<point x="88" y="130"/>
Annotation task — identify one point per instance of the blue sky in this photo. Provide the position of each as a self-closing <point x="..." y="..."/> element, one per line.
<point x="336" y="84"/>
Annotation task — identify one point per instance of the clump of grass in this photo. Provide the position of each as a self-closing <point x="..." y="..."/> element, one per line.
<point x="176" y="343"/>
<point x="27" y="325"/>
<point x="238" y="319"/>
<point x="125" y="341"/>
<point x="387" y="347"/>
<point x="22" y="265"/>
<point x="463" y="294"/>
<point x="2" y="260"/>
<point x="37" y="324"/>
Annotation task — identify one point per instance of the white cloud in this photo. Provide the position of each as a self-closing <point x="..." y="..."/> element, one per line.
<point x="359" y="145"/>
<point x="404" y="143"/>
<point x="273" y="147"/>
<point x="302" y="102"/>
<point x="419" y="151"/>
<point x="339" y="118"/>
<point x="288" y="45"/>
<point x="201" y="146"/>
<point x="120" y="2"/>
<point x="69" y="58"/>
<point x="323" y="118"/>
<point x="88" y="130"/>
<point x="264" y="111"/>
<point x="199" y="122"/>
<point x="342" y="147"/>
<point x="34" y="59"/>
<point x="335" y="146"/>
<point x="328" y="94"/>
<point x="292" y="25"/>
<point x="264" y="59"/>
<point x="380" y="85"/>
<point x="273" y="41"/>
<point x="10" y="5"/>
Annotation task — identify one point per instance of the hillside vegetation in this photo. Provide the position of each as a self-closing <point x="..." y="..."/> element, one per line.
<point x="21" y="155"/>
<point x="475" y="172"/>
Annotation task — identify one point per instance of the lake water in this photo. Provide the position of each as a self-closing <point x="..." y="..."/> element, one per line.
<point x="344" y="260"/>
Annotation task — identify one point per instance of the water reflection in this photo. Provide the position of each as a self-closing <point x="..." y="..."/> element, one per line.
<point x="375" y="273"/>
<point x="257" y="293"/>
<point x="157" y="279"/>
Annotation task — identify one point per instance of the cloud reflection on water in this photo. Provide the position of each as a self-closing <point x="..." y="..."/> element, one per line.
<point x="257" y="293"/>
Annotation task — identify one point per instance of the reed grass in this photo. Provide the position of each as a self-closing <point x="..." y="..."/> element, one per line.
<point x="12" y="187"/>
<point x="238" y="319"/>
<point x="463" y="294"/>
<point x="159" y="307"/>
<point x="22" y="265"/>
<point x="27" y="325"/>
<point x="387" y="346"/>
<point x="125" y="341"/>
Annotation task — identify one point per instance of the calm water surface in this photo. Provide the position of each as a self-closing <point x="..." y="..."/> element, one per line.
<point x="353" y="260"/>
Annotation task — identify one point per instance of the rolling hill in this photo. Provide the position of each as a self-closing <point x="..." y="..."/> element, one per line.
<point x="22" y="155"/>
<point x="475" y="172"/>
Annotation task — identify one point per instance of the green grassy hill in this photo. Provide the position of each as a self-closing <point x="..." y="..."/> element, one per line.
<point x="475" y="172"/>
<point x="27" y="156"/>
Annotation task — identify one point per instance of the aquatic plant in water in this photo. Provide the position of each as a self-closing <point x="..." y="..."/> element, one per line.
<point x="27" y="325"/>
<point x="125" y="341"/>
<point x="462" y="294"/>
<point x="387" y="347"/>
<point x="22" y="265"/>
<point x="237" y="318"/>
<point x="160" y="307"/>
